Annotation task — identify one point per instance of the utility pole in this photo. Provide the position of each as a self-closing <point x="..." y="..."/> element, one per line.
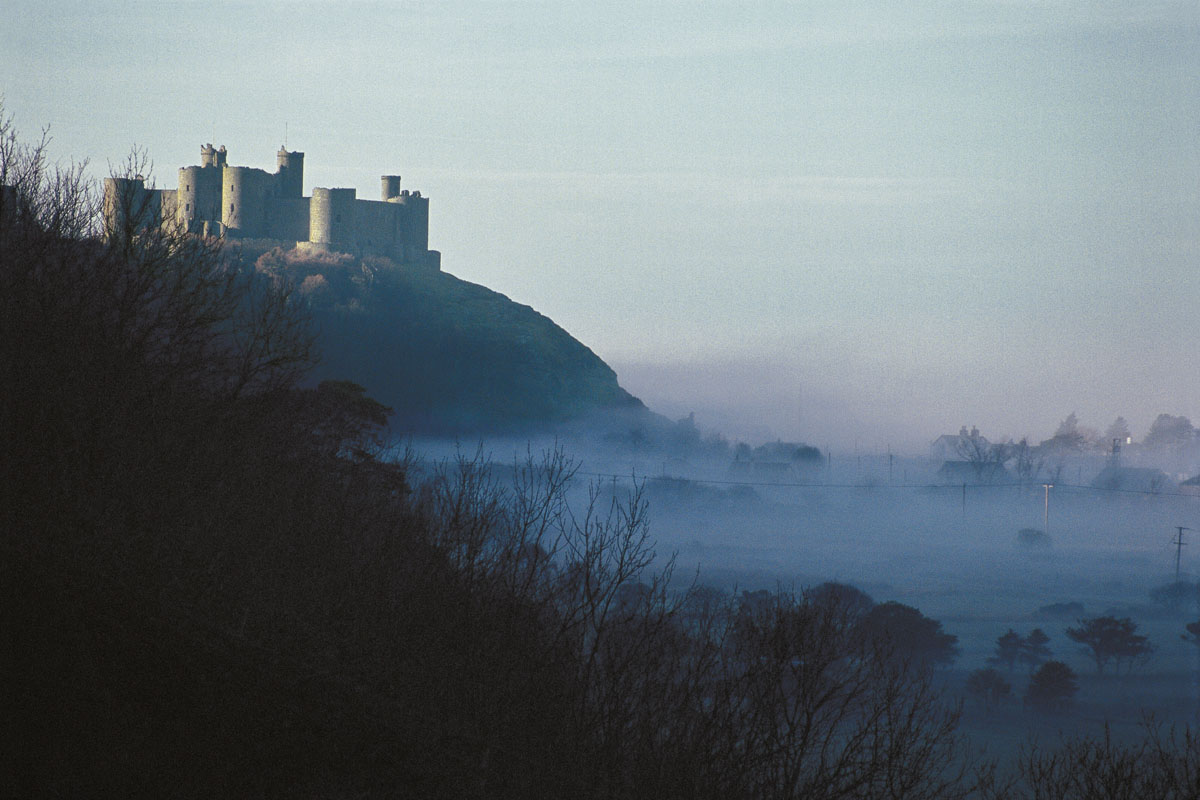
<point x="1046" y="512"/>
<point x="1178" y="548"/>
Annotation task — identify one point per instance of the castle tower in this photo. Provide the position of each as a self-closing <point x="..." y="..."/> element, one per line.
<point x="331" y="217"/>
<point x="129" y="206"/>
<point x="390" y="186"/>
<point x="199" y="195"/>
<point x="290" y="173"/>
<point x="243" y="201"/>
<point x="212" y="158"/>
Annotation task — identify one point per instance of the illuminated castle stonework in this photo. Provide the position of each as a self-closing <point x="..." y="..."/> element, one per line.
<point x="215" y="199"/>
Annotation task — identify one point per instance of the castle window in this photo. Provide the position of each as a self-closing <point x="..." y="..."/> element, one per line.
<point x="187" y="206"/>
<point x="231" y="208"/>
<point x="339" y="218"/>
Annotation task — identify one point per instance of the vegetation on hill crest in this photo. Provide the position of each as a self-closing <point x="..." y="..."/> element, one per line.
<point x="445" y="354"/>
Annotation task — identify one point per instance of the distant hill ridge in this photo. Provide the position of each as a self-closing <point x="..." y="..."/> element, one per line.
<point x="446" y="355"/>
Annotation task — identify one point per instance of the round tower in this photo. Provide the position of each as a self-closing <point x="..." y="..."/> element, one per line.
<point x="123" y="203"/>
<point x="208" y="156"/>
<point x="188" y="205"/>
<point x="390" y="186"/>
<point x="331" y="218"/>
<point x="242" y="201"/>
<point x="290" y="173"/>
<point x="199" y="195"/>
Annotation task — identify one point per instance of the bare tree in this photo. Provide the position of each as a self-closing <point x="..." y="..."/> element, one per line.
<point x="986" y="459"/>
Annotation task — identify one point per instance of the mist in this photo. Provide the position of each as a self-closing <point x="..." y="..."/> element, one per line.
<point x="980" y="558"/>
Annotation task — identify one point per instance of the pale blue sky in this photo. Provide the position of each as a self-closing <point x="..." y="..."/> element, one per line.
<point x="838" y="221"/>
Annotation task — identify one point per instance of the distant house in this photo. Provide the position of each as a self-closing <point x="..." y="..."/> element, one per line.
<point x="950" y="447"/>
<point x="956" y="473"/>
<point x="777" y="462"/>
<point x="1133" y="479"/>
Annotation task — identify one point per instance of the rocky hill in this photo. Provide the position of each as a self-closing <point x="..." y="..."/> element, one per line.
<point x="445" y="354"/>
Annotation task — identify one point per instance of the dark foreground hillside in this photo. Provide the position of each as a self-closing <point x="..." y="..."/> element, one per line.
<point x="447" y="355"/>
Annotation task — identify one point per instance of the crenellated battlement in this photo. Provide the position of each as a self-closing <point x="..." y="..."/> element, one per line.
<point x="235" y="202"/>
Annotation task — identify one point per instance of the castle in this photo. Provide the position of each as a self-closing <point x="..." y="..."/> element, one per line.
<point x="215" y="199"/>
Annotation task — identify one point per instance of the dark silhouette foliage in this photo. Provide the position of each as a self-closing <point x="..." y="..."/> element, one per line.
<point x="1108" y="639"/>
<point x="1177" y="596"/>
<point x="1034" y="649"/>
<point x="1160" y="765"/>
<point x="1008" y="649"/>
<point x="1052" y="687"/>
<point x="910" y="634"/>
<point x="988" y="685"/>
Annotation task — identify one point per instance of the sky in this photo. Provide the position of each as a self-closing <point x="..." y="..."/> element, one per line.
<point x="858" y="224"/>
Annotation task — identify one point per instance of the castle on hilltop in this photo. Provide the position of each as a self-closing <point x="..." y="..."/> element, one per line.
<point x="215" y="199"/>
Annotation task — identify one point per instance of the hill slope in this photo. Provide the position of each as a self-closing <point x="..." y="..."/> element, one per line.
<point x="445" y="354"/>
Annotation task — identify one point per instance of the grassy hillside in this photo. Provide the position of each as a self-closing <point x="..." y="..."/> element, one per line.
<point x="445" y="354"/>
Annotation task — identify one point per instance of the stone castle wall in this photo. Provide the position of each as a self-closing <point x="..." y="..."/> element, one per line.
<point x="216" y="199"/>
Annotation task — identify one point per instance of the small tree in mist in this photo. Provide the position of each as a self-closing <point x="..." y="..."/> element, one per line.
<point x="1070" y="437"/>
<point x="1026" y="462"/>
<point x="1177" y="596"/>
<point x="985" y="459"/>
<point x="1052" y="687"/>
<point x="1008" y="649"/>
<point x="1117" y="432"/>
<point x="1034" y="649"/>
<point x="1108" y="639"/>
<point x="989" y="686"/>
<point x="1170" y="433"/>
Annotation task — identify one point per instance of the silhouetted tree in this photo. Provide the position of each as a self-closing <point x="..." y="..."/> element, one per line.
<point x="986" y="459"/>
<point x="1052" y="687"/>
<point x="1034" y="648"/>
<point x="910" y="634"/>
<point x="1118" y="431"/>
<point x="842" y="595"/>
<point x="1177" y="595"/>
<point x="1170" y="432"/>
<point x="989" y="686"/>
<point x="1026" y="462"/>
<point x="1008" y="649"/>
<point x="1110" y="639"/>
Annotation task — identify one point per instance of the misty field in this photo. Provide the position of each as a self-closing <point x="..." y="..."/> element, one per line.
<point x="957" y="556"/>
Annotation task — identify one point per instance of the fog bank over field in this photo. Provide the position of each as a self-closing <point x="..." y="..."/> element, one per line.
<point x="838" y="393"/>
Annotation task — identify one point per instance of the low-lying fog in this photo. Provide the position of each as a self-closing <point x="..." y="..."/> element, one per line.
<point x="884" y="526"/>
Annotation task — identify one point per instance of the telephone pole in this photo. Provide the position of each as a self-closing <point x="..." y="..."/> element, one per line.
<point x="1179" y="543"/>
<point x="1046" y="512"/>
